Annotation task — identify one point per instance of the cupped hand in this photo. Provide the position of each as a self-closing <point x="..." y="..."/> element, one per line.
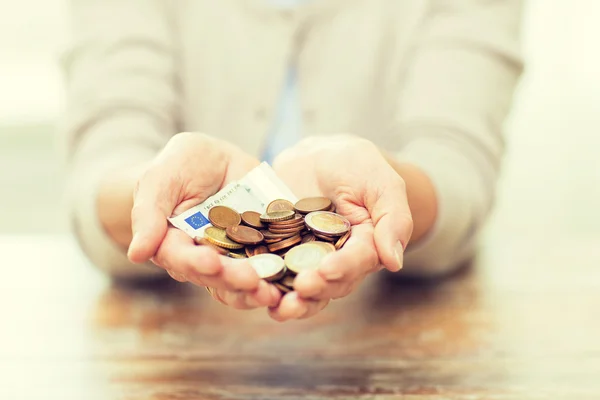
<point x="190" y="168"/>
<point x="365" y="189"/>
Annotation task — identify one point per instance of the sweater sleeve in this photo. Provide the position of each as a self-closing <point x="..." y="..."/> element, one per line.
<point x="460" y="81"/>
<point x="120" y="109"/>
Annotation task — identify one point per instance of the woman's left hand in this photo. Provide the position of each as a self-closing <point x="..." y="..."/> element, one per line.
<point x="365" y="189"/>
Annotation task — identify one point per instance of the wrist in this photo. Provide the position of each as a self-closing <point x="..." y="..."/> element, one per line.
<point x="421" y="195"/>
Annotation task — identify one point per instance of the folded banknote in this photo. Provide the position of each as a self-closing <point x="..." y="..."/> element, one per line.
<point x="251" y="193"/>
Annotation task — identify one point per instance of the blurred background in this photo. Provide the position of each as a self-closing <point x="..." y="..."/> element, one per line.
<point x="551" y="168"/>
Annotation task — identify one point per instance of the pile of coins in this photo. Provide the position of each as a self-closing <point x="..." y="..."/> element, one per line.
<point x="286" y="239"/>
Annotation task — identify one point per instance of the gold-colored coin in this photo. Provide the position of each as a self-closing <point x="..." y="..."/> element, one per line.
<point x="280" y="205"/>
<point x="276" y="216"/>
<point x="307" y="256"/>
<point x="233" y="254"/>
<point x="219" y="238"/>
<point x="327" y="223"/>
<point x="327" y="246"/>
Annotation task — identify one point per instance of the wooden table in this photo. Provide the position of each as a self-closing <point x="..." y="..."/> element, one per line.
<point x="522" y="323"/>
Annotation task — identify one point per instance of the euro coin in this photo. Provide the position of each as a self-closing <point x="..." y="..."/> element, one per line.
<point x="310" y="204"/>
<point x="233" y="254"/>
<point x="252" y="219"/>
<point x="280" y="205"/>
<point x="218" y="237"/>
<point x="327" y="246"/>
<point x="285" y="243"/>
<point x="203" y="242"/>
<point x="276" y="216"/>
<point x="244" y="234"/>
<point x="268" y="266"/>
<point x="307" y="256"/>
<point x="327" y="223"/>
<point x="342" y="241"/>
<point x="223" y="217"/>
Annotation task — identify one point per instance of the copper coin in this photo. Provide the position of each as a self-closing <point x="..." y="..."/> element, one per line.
<point x="256" y="250"/>
<point x="274" y="228"/>
<point x="271" y="241"/>
<point x="310" y="204"/>
<point x="271" y="236"/>
<point x="288" y="230"/>
<point x="297" y="220"/>
<point x="203" y="242"/>
<point x="252" y="219"/>
<point x="283" y="289"/>
<point x="244" y="234"/>
<point x="308" y="238"/>
<point x="224" y="217"/>
<point x="342" y="241"/>
<point x="276" y="216"/>
<point x="325" y="237"/>
<point x="327" y="223"/>
<point x="262" y="249"/>
<point x="286" y="243"/>
<point x="218" y="237"/>
<point x="280" y="205"/>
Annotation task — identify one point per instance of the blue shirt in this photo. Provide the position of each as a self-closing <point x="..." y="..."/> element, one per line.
<point x="286" y="128"/>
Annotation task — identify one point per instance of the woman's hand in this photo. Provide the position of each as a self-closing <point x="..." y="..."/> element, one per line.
<point x="191" y="168"/>
<point x="365" y="189"/>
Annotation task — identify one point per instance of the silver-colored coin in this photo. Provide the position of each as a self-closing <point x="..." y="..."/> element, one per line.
<point x="267" y="266"/>
<point x="327" y="223"/>
<point x="306" y="256"/>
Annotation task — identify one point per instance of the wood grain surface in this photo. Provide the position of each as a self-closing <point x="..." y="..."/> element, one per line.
<point x="520" y="322"/>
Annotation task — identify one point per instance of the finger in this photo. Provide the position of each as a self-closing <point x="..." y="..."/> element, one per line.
<point x="154" y="200"/>
<point x="328" y="289"/>
<point x="202" y="265"/>
<point x="179" y="253"/>
<point x="357" y="257"/>
<point x="238" y="275"/>
<point x="294" y="307"/>
<point x="309" y="284"/>
<point x="265" y="295"/>
<point x="391" y="218"/>
<point x="178" y="277"/>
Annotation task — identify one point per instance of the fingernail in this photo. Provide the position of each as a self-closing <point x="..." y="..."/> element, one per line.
<point x="399" y="253"/>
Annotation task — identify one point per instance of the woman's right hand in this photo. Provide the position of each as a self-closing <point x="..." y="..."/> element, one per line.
<point x="190" y="168"/>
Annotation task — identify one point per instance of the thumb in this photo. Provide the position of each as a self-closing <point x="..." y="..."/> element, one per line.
<point x="153" y="203"/>
<point x="392" y="220"/>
